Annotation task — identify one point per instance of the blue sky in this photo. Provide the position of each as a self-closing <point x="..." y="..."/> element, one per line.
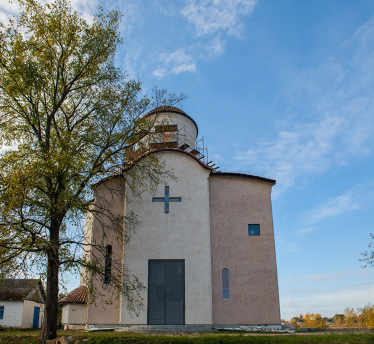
<point x="281" y="89"/>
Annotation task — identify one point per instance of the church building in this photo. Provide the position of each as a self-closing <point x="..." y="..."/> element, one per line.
<point x="204" y="248"/>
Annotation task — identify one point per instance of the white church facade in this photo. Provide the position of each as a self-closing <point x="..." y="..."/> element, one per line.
<point x="204" y="249"/>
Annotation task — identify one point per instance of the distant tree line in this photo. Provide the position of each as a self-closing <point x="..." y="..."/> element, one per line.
<point x="361" y="317"/>
<point x="310" y="320"/>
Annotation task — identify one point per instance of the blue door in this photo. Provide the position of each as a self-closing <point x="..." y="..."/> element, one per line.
<point x="35" y="323"/>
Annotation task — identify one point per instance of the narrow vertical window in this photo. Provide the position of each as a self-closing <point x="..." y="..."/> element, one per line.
<point x="225" y="284"/>
<point x="108" y="264"/>
<point x="1" y="312"/>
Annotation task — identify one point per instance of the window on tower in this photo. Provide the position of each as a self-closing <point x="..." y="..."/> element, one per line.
<point x="253" y="229"/>
<point x="225" y="284"/>
<point x="108" y="264"/>
<point x="165" y="128"/>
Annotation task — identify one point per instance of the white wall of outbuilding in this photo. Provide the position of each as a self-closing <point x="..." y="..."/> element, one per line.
<point x="12" y="313"/>
<point x="28" y="314"/>
<point x="20" y="314"/>
<point x="74" y="314"/>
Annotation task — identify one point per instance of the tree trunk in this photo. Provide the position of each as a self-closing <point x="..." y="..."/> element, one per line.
<point x="49" y="328"/>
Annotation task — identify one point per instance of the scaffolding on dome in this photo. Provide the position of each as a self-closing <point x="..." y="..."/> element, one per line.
<point x="169" y="136"/>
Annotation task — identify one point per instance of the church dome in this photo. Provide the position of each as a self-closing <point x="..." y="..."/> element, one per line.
<point x="170" y="128"/>
<point x="171" y="109"/>
<point x="165" y="109"/>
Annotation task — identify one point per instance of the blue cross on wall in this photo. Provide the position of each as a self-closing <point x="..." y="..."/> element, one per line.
<point x="166" y="199"/>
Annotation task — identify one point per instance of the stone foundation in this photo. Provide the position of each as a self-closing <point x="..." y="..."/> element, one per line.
<point x="152" y="328"/>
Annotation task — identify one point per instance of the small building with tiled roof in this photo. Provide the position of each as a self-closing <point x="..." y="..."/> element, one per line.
<point x="78" y="295"/>
<point x="21" y="303"/>
<point x="74" y="309"/>
<point x="204" y="248"/>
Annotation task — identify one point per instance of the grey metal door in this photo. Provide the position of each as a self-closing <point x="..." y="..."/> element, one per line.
<point x="166" y="303"/>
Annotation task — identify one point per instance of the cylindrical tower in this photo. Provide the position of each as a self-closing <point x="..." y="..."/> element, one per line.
<point x="173" y="128"/>
<point x="167" y="127"/>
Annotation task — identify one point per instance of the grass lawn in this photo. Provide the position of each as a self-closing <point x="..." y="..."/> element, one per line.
<point x="31" y="336"/>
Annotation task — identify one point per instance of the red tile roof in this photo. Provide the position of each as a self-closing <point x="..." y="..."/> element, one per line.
<point x="165" y="109"/>
<point x="78" y="295"/>
<point x="171" y="109"/>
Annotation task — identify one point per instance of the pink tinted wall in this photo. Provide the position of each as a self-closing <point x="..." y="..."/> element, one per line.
<point x="106" y="307"/>
<point x="236" y="202"/>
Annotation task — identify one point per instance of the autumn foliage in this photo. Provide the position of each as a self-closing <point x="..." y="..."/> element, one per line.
<point x="309" y="320"/>
<point x="359" y="318"/>
<point x="362" y="317"/>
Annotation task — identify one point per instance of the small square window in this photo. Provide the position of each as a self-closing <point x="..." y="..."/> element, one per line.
<point x="253" y="229"/>
<point x="1" y="312"/>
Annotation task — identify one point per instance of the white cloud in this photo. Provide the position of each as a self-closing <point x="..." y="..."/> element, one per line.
<point x="169" y="9"/>
<point x="85" y="8"/>
<point x="7" y="10"/>
<point x="159" y="73"/>
<point x="131" y="60"/>
<point x="133" y="15"/>
<point x="362" y="292"/>
<point x="177" y="57"/>
<point x="330" y="301"/>
<point x="212" y="49"/>
<point x="347" y="202"/>
<point x="293" y="246"/>
<point x="365" y="274"/>
<point x="132" y="12"/>
<point x="176" y="62"/>
<point x="210" y="16"/>
<point x="305" y="230"/>
<point x="4" y="149"/>
<point x="303" y="291"/>
<point x="294" y="153"/>
<point x="330" y="122"/>
<point x="216" y="46"/>
<point x="191" y="67"/>
<point x="327" y="277"/>
<point x="352" y="200"/>
<point x="185" y="60"/>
